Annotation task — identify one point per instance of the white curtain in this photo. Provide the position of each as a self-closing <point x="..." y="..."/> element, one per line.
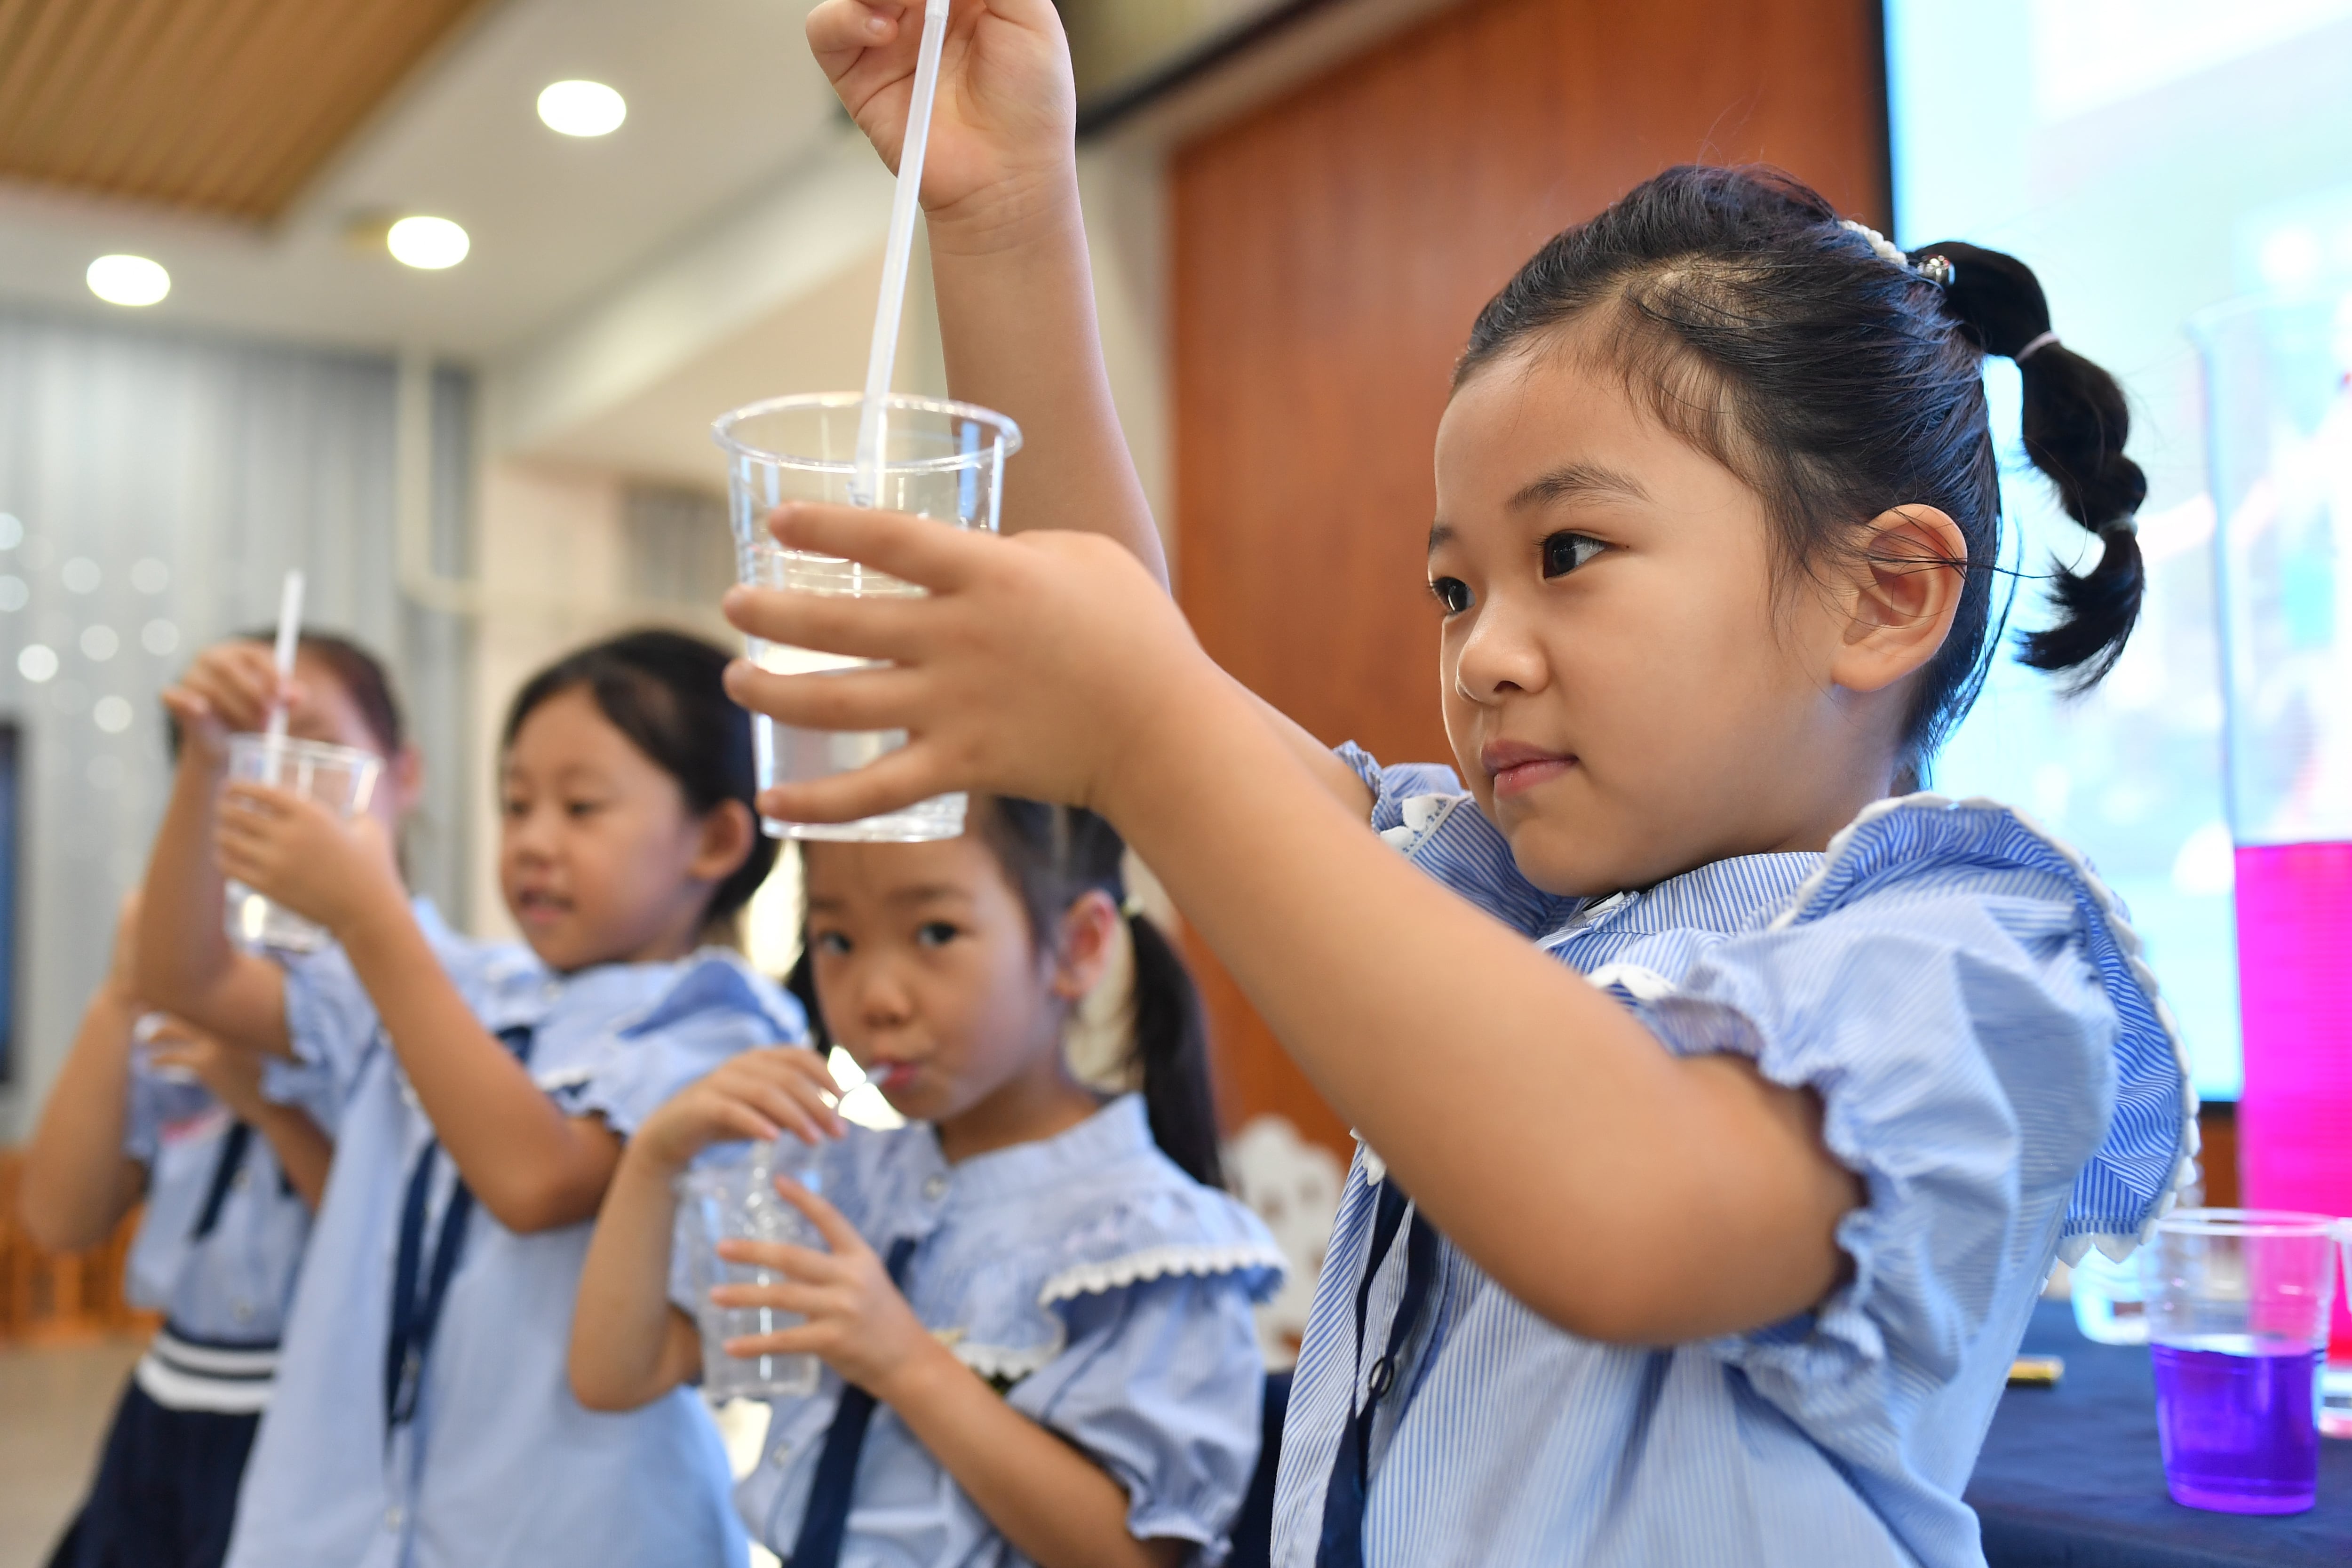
<point x="154" y="488"/>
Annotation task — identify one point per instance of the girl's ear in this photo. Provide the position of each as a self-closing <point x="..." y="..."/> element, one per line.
<point x="404" y="776"/>
<point x="727" y="832"/>
<point x="1904" y="591"/>
<point x="1089" y="927"/>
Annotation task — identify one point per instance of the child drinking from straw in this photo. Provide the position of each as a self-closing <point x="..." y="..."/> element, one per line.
<point x="422" y="1415"/>
<point x="1724" y="1100"/>
<point x="1037" y="1305"/>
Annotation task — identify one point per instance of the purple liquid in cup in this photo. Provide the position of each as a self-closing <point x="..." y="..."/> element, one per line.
<point x="2239" y="1426"/>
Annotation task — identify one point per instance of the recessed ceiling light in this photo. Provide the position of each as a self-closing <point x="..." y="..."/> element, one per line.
<point x="128" y="280"/>
<point x="431" y="243"/>
<point x="582" y="108"/>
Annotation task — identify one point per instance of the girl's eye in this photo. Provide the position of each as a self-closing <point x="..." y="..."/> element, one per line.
<point x="1452" y="593"/>
<point x="1564" y="552"/>
<point x="830" y="942"/>
<point x="582" y="807"/>
<point x="936" y="933"/>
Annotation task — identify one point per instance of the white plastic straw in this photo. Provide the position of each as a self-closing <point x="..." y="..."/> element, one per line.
<point x="866" y="488"/>
<point x="290" y="629"/>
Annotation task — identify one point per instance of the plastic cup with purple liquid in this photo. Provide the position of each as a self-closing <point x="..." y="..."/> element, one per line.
<point x="2237" y="1311"/>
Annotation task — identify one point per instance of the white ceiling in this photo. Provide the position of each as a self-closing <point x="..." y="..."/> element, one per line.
<point x="723" y="103"/>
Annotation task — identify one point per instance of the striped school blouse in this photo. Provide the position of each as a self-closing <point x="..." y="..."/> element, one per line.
<point x="1968" y="1004"/>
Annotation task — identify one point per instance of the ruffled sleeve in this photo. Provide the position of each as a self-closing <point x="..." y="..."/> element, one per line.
<point x="1160" y="1384"/>
<point x="1992" y="1061"/>
<point x="718" y="1007"/>
<point x="1422" y="810"/>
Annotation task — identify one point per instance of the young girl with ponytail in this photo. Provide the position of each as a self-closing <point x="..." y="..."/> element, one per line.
<point x="1724" y="1102"/>
<point x="1042" y="1289"/>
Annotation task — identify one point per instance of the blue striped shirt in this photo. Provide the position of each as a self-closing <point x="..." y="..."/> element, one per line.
<point x="1971" y="1008"/>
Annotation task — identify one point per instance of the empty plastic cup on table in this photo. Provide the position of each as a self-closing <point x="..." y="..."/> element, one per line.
<point x="735" y="1199"/>
<point x="940" y="460"/>
<point x="2237" y="1315"/>
<point x="340" y="778"/>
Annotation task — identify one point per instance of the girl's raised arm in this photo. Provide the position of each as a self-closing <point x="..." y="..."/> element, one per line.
<point x="77" y="1184"/>
<point x="186" y="963"/>
<point x="1009" y="265"/>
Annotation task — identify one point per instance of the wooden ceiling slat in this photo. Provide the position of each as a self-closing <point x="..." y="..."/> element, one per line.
<point x="177" y="47"/>
<point x="224" y="106"/>
<point x="396" y="35"/>
<point x="73" y="86"/>
<point x="20" y="72"/>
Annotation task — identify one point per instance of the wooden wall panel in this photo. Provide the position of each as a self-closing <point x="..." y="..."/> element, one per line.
<point x="1330" y="251"/>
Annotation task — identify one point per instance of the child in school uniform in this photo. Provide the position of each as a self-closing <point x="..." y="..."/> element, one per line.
<point x="146" y="1109"/>
<point x="422" y="1415"/>
<point x="1035" y="1309"/>
<point x="1724" y="1098"/>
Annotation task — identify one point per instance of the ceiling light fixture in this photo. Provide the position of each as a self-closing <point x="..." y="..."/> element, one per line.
<point x="582" y="108"/>
<point x="128" y="280"/>
<point x="431" y="243"/>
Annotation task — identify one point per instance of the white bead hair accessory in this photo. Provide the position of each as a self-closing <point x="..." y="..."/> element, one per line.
<point x="2032" y="348"/>
<point x="1878" y="242"/>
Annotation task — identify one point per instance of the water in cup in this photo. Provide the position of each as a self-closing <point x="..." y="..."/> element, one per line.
<point x="2237" y="1314"/>
<point x="341" y="778"/>
<point x="734" y="1198"/>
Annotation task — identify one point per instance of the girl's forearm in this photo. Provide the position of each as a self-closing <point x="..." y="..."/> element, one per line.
<point x="533" y="1167"/>
<point x="1017" y="325"/>
<point x="304" y="1152"/>
<point x="1058" y="1508"/>
<point x="186" y="963"/>
<point x="629" y="1345"/>
<point x="76" y="1183"/>
<point x="1624" y="1193"/>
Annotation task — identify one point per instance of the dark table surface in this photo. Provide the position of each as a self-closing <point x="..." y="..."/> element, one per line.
<point x="2071" y="1477"/>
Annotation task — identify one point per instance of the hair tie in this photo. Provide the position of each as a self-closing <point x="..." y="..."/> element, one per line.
<point x="1132" y="906"/>
<point x="2033" y="347"/>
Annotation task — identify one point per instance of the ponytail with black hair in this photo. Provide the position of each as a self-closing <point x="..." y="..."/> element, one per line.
<point x="1053" y="855"/>
<point x="1842" y="379"/>
<point x="2075" y="425"/>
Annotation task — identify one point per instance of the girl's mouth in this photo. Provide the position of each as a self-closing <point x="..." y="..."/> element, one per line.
<point x="886" y="1076"/>
<point x="1516" y="767"/>
<point x="540" y="909"/>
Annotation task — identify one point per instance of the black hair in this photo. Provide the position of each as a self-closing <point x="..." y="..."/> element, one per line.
<point x="1841" y="379"/>
<point x="1053" y="856"/>
<point x="359" y="673"/>
<point x="664" y="691"/>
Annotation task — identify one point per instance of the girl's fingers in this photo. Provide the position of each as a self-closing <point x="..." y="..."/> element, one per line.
<point x="879" y="699"/>
<point x="839" y="1233"/>
<point x="878" y="626"/>
<point x="919" y="550"/>
<point x="844" y="27"/>
<point x="808" y="1300"/>
<point x="808" y="1339"/>
<point x="896" y="781"/>
<point x="802" y="1263"/>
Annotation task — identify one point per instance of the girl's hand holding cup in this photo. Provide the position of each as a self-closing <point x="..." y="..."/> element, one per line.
<point x="755" y="1097"/>
<point x="295" y="851"/>
<point x="1043" y="665"/>
<point x="230" y="687"/>
<point x="233" y="1076"/>
<point x="1002" y="128"/>
<point x="856" y="1321"/>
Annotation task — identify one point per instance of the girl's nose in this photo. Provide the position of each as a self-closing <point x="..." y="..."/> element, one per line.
<point x="884" y="1003"/>
<point x="1499" y="656"/>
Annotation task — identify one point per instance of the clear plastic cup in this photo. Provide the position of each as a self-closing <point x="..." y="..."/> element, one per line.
<point x="736" y="1200"/>
<point x="2108" y="1307"/>
<point x="341" y="778"/>
<point x="2237" y="1312"/>
<point x="939" y="459"/>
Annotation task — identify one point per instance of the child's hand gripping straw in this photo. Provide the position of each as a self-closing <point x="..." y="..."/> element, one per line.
<point x="935" y="460"/>
<point x="736" y="1199"/>
<point x="341" y="777"/>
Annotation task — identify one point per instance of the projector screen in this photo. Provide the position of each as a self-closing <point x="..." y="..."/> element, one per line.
<point x="2148" y="159"/>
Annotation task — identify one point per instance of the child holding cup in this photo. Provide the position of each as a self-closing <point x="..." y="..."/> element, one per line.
<point x="1032" y="1302"/>
<point x="1731" y="1100"/>
<point x="422" y="1415"/>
